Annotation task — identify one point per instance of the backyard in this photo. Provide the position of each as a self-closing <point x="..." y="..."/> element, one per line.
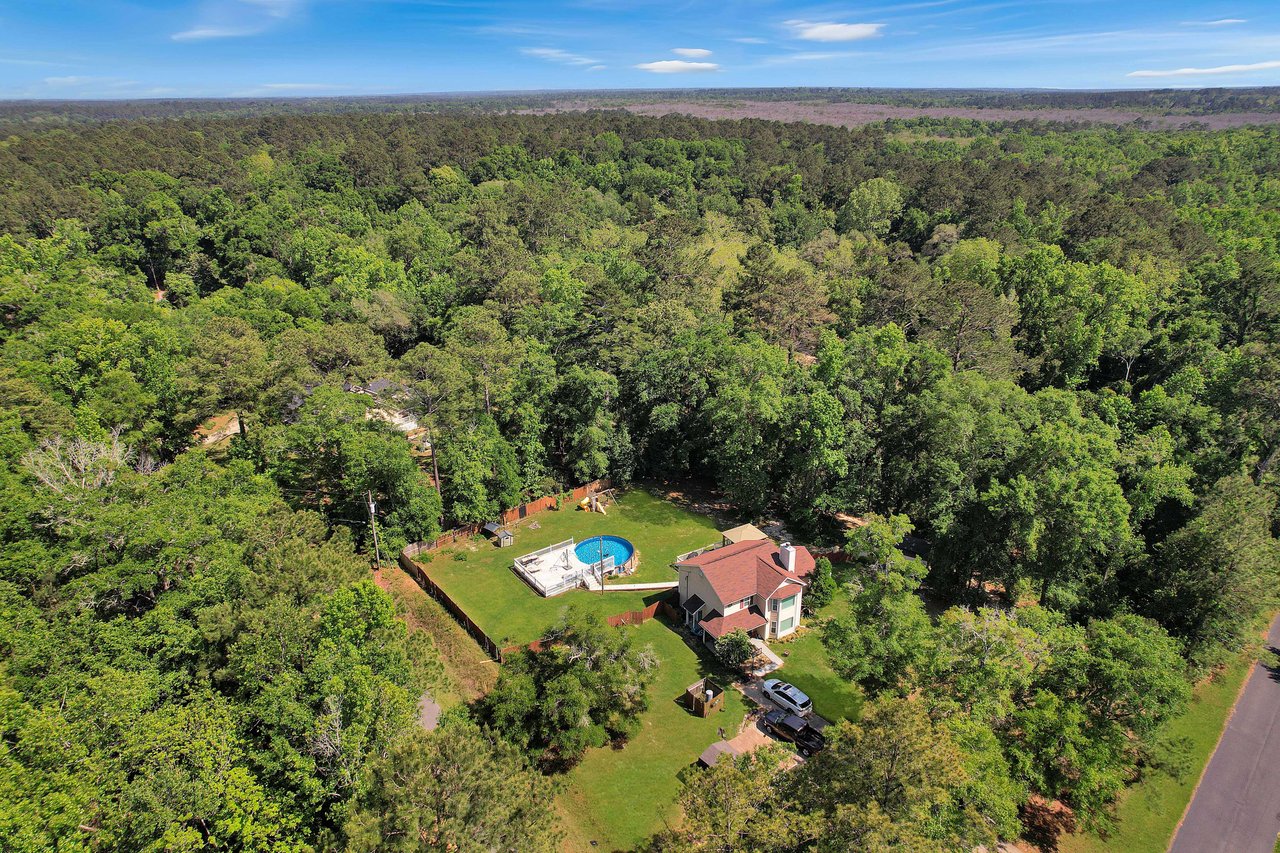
<point x="617" y="798"/>
<point x="478" y="576"/>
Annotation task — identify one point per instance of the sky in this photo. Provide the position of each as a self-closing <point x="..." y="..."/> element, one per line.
<point x="251" y="48"/>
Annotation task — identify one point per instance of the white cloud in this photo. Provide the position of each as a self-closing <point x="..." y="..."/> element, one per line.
<point x="202" y="33"/>
<point x="238" y="18"/>
<point x="1221" y="22"/>
<point x="1198" y="72"/>
<point x="832" y="31"/>
<point x="555" y="54"/>
<point x="750" y="40"/>
<point x="677" y="66"/>
<point x="35" y="63"/>
<point x="71" y="80"/>
<point x="597" y="67"/>
<point x="691" y="52"/>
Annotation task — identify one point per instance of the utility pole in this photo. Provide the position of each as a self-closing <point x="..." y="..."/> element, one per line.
<point x="373" y="525"/>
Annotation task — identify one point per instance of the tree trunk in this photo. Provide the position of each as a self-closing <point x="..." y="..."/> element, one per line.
<point x="435" y="465"/>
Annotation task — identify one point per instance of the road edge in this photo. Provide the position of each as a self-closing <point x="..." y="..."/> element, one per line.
<point x="1226" y="723"/>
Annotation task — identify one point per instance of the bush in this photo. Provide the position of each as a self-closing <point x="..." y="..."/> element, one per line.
<point x="735" y="649"/>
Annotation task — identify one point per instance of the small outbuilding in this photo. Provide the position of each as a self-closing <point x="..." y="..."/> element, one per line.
<point x="743" y="533"/>
<point x="502" y="537"/>
<point x="716" y="751"/>
<point x="704" y="697"/>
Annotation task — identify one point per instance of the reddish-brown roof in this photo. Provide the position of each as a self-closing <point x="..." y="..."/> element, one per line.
<point x="748" y="619"/>
<point x="786" y="590"/>
<point x="748" y="568"/>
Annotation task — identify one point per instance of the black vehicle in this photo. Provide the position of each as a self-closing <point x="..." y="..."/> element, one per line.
<point x="789" y="727"/>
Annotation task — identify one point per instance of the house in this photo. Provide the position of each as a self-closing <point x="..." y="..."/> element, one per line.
<point x="753" y="584"/>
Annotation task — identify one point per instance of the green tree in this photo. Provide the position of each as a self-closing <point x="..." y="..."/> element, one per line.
<point x="886" y="637"/>
<point x="453" y="789"/>
<point x="872" y="207"/>
<point x="585" y="686"/>
<point x="893" y="764"/>
<point x="735" y="649"/>
<point x="822" y="587"/>
<point x="1210" y="579"/>
<point x="735" y="807"/>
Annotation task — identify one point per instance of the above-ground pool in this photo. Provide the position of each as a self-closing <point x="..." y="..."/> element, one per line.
<point x="595" y="549"/>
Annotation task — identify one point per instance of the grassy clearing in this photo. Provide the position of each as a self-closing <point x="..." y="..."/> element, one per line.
<point x="808" y="667"/>
<point x="618" y="798"/>
<point x="484" y="584"/>
<point x="1148" y="812"/>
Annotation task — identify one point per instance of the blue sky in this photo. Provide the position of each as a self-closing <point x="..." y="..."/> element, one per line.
<point x="196" y="48"/>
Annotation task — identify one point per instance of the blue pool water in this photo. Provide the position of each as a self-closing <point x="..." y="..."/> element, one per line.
<point x="591" y="551"/>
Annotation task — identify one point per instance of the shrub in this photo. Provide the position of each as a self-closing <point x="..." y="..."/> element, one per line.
<point x="735" y="649"/>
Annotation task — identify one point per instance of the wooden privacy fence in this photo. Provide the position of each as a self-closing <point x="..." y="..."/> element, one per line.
<point x="419" y="574"/>
<point x="514" y="514"/>
<point x="509" y="516"/>
<point x="408" y="562"/>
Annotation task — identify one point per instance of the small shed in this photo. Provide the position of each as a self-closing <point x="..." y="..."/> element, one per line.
<point x="743" y="533"/>
<point x="704" y="697"/>
<point x="716" y="751"/>
<point x="501" y="535"/>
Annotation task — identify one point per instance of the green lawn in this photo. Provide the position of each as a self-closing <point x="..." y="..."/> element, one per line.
<point x="487" y="588"/>
<point x="618" y="798"/>
<point x="1148" y="812"/>
<point x="807" y="667"/>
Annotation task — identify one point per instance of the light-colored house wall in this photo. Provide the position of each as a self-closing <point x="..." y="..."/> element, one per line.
<point x="694" y="582"/>
<point x="778" y="626"/>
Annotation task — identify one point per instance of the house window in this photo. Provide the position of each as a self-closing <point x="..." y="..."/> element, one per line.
<point x="786" y="624"/>
<point x="788" y="603"/>
<point x="746" y="602"/>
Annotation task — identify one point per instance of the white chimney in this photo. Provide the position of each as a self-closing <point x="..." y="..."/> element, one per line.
<point x="788" y="554"/>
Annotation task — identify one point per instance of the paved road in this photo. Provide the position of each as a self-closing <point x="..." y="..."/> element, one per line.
<point x="1237" y="806"/>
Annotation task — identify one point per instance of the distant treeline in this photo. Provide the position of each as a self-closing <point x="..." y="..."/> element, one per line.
<point x="18" y="115"/>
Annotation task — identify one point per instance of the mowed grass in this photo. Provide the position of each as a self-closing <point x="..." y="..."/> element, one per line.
<point x="807" y="666"/>
<point x="618" y="798"/>
<point x="1148" y="812"/>
<point x="488" y="589"/>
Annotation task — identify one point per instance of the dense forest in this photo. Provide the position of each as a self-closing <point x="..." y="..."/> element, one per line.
<point x="1051" y="354"/>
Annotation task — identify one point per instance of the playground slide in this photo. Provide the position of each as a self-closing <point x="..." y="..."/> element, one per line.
<point x="585" y="503"/>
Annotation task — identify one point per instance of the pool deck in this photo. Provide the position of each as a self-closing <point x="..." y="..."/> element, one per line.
<point x="557" y="568"/>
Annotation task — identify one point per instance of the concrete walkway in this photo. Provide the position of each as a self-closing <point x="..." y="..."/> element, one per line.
<point x="633" y="587"/>
<point x="771" y="660"/>
<point x="1236" y="807"/>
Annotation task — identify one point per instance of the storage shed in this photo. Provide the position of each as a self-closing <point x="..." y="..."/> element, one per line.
<point x="501" y="535"/>
<point x="704" y="697"/>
